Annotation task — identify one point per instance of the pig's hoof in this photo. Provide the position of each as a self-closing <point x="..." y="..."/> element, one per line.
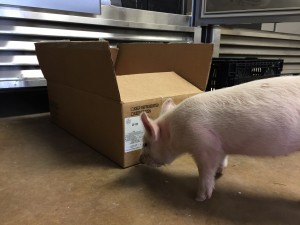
<point x="201" y="198"/>
<point x="218" y="174"/>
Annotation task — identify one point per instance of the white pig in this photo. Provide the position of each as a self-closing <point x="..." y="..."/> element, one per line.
<point x="259" y="118"/>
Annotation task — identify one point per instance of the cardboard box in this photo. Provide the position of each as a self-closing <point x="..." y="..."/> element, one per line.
<point x="100" y="103"/>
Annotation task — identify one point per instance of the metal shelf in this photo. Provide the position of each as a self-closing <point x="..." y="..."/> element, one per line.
<point x="21" y="27"/>
<point x="236" y="42"/>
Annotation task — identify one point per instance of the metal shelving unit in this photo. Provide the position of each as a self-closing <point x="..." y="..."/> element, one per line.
<point x="241" y="43"/>
<point x="20" y="27"/>
<point x="230" y="42"/>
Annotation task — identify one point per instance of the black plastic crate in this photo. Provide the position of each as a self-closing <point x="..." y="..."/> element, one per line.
<point x="135" y="4"/>
<point x="227" y="72"/>
<point x="167" y="6"/>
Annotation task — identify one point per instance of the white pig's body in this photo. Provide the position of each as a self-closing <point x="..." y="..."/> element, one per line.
<point x="257" y="118"/>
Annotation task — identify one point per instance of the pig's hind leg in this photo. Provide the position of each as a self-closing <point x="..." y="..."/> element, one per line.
<point x="208" y="157"/>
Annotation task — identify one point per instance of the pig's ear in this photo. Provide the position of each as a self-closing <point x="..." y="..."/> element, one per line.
<point x="167" y="106"/>
<point x="150" y="126"/>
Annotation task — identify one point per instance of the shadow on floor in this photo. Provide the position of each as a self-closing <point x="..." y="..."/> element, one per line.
<point x="178" y="192"/>
<point x="48" y="143"/>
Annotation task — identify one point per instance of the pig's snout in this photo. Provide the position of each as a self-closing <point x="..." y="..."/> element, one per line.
<point x="149" y="161"/>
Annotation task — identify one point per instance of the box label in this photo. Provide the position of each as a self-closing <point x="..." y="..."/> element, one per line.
<point x="134" y="132"/>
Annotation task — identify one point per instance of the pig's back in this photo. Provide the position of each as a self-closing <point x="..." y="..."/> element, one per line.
<point x="256" y="118"/>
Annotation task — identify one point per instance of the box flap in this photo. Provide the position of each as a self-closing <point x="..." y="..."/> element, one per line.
<point x="86" y="66"/>
<point x="191" y="61"/>
<point x="138" y="87"/>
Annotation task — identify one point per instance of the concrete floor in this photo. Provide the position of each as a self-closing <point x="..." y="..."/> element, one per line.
<point x="49" y="177"/>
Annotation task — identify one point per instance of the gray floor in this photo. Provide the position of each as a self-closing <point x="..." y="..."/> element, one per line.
<point x="49" y="177"/>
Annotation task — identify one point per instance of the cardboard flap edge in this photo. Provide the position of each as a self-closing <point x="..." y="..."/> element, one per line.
<point x="85" y="65"/>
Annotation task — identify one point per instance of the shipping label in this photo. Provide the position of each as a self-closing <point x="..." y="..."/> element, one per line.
<point x="134" y="132"/>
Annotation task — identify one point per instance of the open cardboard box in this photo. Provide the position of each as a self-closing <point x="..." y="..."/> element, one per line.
<point x="97" y="93"/>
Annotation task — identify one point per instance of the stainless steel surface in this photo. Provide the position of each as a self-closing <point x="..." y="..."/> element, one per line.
<point x="216" y="39"/>
<point x="143" y="16"/>
<point x="12" y="73"/>
<point x="21" y="83"/>
<point x="21" y="27"/>
<point x="197" y="35"/>
<point x="245" y="11"/>
<point x="11" y="45"/>
<point x="39" y="31"/>
<point x="259" y="44"/>
<point x="225" y="6"/>
<point x="12" y="77"/>
<point x="18" y="60"/>
<point x="85" y="6"/>
<point x="111" y="17"/>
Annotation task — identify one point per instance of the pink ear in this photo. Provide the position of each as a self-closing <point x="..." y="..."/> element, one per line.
<point x="167" y="106"/>
<point x="150" y="126"/>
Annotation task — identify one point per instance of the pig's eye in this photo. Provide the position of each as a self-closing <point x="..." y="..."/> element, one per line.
<point x="145" y="145"/>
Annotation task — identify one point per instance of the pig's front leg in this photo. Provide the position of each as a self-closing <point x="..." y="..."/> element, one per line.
<point x="224" y="164"/>
<point x="208" y="157"/>
<point x="207" y="171"/>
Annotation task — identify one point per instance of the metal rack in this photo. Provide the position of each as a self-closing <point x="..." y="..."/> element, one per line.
<point x="239" y="42"/>
<point x="20" y="27"/>
<point x="209" y="12"/>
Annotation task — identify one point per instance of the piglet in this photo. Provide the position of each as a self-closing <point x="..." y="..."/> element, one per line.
<point x="258" y="118"/>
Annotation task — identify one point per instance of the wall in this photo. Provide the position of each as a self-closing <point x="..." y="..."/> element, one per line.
<point x="291" y="28"/>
